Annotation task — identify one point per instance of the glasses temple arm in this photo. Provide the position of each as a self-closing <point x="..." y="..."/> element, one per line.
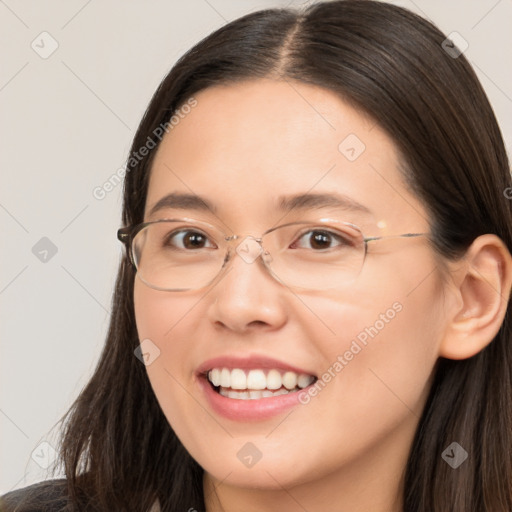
<point x="404" y="235"/>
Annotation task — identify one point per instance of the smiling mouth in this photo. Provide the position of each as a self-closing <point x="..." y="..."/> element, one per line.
<point x="254" y="384"/>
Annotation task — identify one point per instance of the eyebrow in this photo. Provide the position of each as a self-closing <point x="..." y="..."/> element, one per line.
<point x="182" y="201"/>
<point x="301" y="202"/>
<point x="320" y="200"/>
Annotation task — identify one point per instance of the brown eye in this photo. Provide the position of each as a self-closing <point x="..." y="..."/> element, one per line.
<point x="187" y="239"/>
<point x="321" y="239"/>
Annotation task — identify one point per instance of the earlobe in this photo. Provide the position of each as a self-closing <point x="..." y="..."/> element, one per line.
<point x="484" y="286"/>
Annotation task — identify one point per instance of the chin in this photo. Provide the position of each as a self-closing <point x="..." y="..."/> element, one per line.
<point x="272" y="474"/>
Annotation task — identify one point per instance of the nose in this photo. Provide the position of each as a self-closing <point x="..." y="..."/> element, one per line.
<point x="247" y="297"/>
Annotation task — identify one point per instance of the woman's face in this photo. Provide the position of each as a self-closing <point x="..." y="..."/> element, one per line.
<point x="371" y="344"/>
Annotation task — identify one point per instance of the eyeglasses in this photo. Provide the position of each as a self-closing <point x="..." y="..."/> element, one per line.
<point x="187" y="254"/>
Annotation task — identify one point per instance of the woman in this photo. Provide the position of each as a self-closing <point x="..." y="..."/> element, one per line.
<point x="313" y="311"/>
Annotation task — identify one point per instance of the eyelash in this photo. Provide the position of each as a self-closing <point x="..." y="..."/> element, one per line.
<point x="335" y="236"/>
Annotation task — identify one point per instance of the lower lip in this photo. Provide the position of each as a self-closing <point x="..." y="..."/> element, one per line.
<point x="248" y="410"/>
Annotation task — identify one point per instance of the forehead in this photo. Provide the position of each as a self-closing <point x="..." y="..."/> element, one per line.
<point x="246" y="145"/>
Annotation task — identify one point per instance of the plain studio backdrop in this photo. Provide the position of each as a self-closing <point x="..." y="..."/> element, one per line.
<point x="75" y="80"/>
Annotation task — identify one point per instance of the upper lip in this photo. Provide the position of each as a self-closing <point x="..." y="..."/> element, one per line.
<point x="253" y="361"/>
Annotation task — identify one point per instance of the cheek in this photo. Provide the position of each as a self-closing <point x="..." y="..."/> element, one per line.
<point x="159" y="315"/>
<point x="382" y="319"/>
<point x="171" y="324"/>
<point x="379" y="348"/>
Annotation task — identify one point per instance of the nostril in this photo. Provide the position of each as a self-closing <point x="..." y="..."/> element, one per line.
<point x="257" y="323"/>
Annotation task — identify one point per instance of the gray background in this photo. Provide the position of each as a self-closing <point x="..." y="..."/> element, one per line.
<point x="67" y="121"/>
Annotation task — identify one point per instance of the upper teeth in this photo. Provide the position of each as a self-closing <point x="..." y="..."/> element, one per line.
<point x="237" y="378"/>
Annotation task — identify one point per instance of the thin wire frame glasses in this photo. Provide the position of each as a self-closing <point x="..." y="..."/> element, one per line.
<point x="186" y="254"/>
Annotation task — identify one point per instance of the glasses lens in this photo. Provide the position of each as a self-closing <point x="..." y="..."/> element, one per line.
<point x="177" y="255"/>
<point x="185" y="255"/>
<point x="315" y="256"/>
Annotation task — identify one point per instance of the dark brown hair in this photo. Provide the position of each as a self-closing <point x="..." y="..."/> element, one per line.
<point x="118" y="448"/>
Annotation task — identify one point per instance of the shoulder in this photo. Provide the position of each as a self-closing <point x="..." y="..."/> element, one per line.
<point x="47" y="496"/>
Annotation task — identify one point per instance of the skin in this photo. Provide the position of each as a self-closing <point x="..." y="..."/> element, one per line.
<point x="242" y="147"/>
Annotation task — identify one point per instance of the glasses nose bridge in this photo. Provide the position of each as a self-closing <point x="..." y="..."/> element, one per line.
<point x="249" y="248"/>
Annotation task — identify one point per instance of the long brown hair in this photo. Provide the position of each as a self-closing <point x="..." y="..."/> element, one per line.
<point x="119" y="451"/>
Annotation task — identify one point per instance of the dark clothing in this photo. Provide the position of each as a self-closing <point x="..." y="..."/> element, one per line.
<point x="50" y="496"/>
<point x="47" y="496"/>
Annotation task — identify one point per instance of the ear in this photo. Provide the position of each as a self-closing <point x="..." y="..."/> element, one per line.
<point x="482" y="285"/>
